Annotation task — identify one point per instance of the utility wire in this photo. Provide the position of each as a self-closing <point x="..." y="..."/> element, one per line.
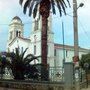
<point x="86" y="34"/>
<point x="82" y="26"/>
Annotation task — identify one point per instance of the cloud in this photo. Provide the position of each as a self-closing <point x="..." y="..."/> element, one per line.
<point x="8" y="4"/>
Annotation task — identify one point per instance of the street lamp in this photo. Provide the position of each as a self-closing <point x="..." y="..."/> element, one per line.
<point x="81" y="5"/>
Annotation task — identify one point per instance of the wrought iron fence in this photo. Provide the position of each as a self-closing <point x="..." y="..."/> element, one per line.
<point x="56" y="74"/>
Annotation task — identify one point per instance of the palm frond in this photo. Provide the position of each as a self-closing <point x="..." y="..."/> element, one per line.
<point x="63" y="6"/>
<point x="31" y="8"/>
<point x="59" y="7"/>
<point x="63" y="2"/>
<point x="33" y="5"/>
<point x="68" y="3"/>
<point x="20" y="2"/>
<point x="35" y="10"/>
<point x="53" y="6"/>
<point x="22" y="55"/>
<point x="25" y="6"/>
<point x="28" y="60"/>
<point x="17" y="53"/>
<point x="28" y="57"/>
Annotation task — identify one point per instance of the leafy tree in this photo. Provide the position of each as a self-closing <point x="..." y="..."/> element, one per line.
<point x="43" y="7"/>
<point x="85" y="59"/>
<point x="20" y="64"/>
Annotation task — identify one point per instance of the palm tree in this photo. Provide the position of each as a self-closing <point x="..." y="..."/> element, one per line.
<point x="44" y="7"/>
<point x="19" y="64"/>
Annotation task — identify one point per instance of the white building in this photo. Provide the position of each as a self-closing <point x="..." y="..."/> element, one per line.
<point x="55" y="51"/>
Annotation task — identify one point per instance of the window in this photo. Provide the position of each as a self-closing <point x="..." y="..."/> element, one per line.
<point x="35" y="38"/>
<point x="16" y="33"/>
<point x="55" y="52"/>
<point x="34" y="49"/>
<point x="66" y="53"/>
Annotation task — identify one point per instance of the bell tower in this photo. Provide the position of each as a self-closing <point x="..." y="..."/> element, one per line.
<point x="35" y="38"/>
<point x="15" y="29"/>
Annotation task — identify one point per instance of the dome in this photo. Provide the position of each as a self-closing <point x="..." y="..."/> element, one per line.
<point x="16" y="18"/>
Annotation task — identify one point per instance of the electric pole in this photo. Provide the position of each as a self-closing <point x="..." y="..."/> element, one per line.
<point x="75" y="25"/>
<point x="76" y="47"/>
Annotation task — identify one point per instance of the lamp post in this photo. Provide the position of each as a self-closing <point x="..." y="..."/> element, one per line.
<point x="75" y="26"/>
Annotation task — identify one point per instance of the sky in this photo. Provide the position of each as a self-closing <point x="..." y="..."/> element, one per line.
<point x="11" y="8"/>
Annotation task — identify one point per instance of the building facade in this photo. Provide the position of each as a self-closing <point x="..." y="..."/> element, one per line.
<point x="56" y="52"/>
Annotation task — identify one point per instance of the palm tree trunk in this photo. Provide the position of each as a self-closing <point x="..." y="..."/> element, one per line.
<point x="44" y="12"/>
<point x="44" y="40"/>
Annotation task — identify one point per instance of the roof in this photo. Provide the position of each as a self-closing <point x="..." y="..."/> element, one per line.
<point x="24" y="39"/>
<point x="69" y="47"/>
<point x="16" y="17"/>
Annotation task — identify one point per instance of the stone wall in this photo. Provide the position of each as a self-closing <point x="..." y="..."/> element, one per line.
<point x="35" y="85"/>
<point x="30" y="85"/>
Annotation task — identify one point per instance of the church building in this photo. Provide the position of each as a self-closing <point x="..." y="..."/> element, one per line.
<point x="33" y="43"/>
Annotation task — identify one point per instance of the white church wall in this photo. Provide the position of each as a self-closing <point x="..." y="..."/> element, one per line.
<point x="22" y="45"/>
<point x="51" y="54"/>
<point x="69" y="55"/>
<point x="35" y="37"/>
<point x="58" y="57"/>
<point x="38" y="49"/>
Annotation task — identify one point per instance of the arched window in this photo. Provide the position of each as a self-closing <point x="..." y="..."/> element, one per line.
<point x="66" y="53"/>
<point x="35" y="38"/>
<point x="55" y="52"/>
<point x="16" y="33"/>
